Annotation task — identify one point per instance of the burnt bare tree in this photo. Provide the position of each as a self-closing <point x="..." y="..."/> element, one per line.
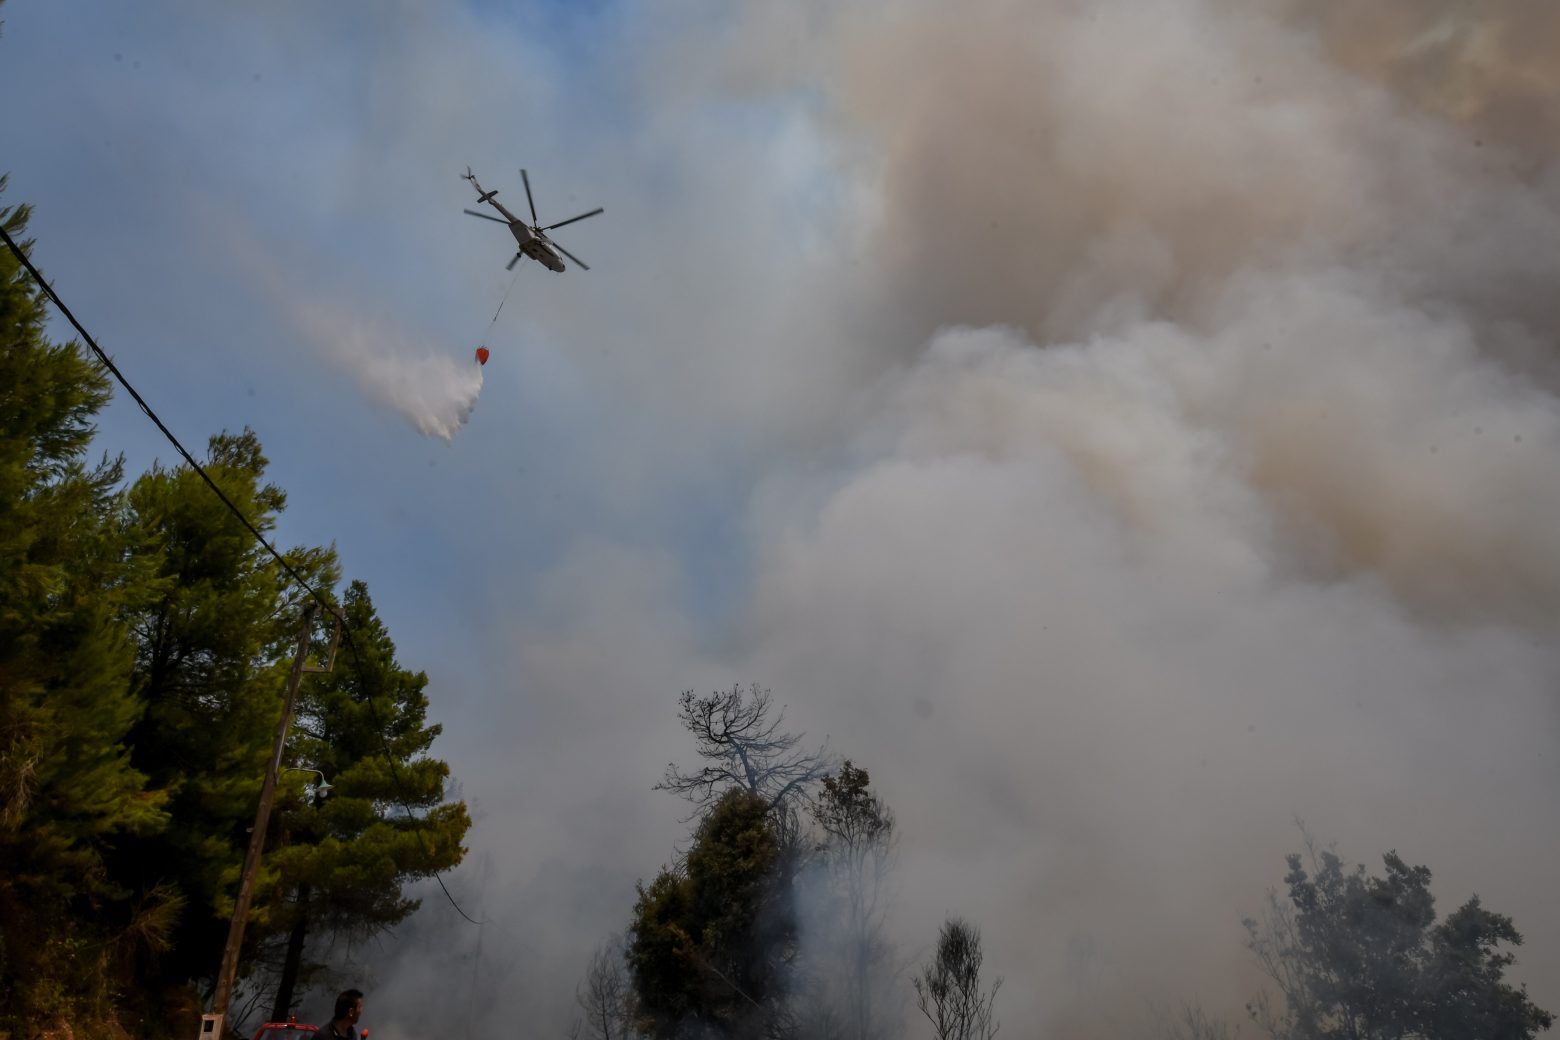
<point x="605" y="997"/>
<point x="1191" y="1022"/>
<point x="948" y="990"/>
<point x="740" y="739"/>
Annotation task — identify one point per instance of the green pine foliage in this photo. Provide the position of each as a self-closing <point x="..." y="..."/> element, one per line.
<point x="68" y="787"/>
<point x="339" y="863"/>
<point x="708" y="943"/>
<point x="145" y="643"/>
<point x="214" y="645"/>
<point x="346" y="857"/>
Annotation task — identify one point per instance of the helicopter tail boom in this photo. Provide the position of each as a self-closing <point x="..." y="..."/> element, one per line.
<point x="482" y="196"/>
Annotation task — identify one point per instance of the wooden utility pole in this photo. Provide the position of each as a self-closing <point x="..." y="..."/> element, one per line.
<point x="211" y="1027"/>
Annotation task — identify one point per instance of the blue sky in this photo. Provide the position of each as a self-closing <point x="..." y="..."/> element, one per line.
<point x="1121" y="429"/>
<point x="171" y="135"/>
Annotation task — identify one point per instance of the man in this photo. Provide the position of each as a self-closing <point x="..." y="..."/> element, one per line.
<point x="348" y="1007"/>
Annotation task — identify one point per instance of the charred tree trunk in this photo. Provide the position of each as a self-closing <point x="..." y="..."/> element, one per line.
<point x="300" y="929"/>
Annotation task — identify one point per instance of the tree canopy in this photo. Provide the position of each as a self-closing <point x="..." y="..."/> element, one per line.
<point x="69" y="790"/>
<point x="145" y="639"/>
<point x="949" y="991"/>
<point x="1359" y="957"/>
<point x="344" y="859"/>
<point x="709" y="942"/>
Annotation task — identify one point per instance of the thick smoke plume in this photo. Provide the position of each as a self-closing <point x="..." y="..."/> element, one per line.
<point x="1225" y="489"/>
<point x="1200" y="473"/>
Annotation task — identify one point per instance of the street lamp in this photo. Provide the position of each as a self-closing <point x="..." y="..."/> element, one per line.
<point x="323" y="788"/>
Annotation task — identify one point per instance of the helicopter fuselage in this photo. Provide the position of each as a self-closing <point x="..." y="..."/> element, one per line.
<point x="530" y="243"/>
<point x="534" y="246"/>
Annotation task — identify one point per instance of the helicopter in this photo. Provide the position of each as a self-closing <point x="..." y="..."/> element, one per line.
<point x="532" y="238"/>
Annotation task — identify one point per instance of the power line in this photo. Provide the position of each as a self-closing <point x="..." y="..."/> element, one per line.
<point x="291" y="571"/>
<point x="108" y="363"/>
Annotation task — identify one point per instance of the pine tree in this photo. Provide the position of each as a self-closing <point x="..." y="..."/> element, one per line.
<point x="385" y="822"/>
<point x="214" y="644"/>
<point x="710" y="943"/>
<point x="68" y="788"/>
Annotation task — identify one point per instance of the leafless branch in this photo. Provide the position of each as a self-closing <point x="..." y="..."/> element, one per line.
<point x="740" y="739"/>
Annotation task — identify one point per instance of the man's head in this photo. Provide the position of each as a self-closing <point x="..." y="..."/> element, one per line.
<point x="349" y="1006"/>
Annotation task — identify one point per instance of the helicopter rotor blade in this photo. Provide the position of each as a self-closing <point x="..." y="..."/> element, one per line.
<point x="582" y="264"/>
<point x="595" y="212"/>
<point x="513" y="261"/>
<point x="484" y="216"/>
<point x="528" y="199"/>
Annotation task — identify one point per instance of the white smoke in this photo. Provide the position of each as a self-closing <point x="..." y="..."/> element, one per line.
<point x="435" y="392"/>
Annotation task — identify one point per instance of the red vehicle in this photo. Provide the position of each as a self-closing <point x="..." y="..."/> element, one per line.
<point x="291" y="1029"/>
